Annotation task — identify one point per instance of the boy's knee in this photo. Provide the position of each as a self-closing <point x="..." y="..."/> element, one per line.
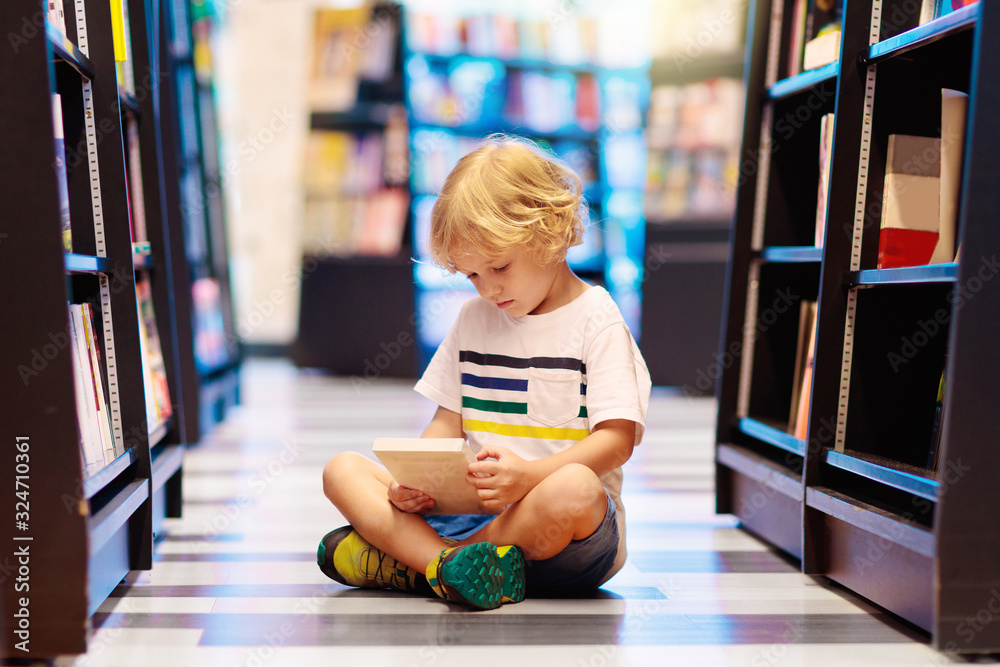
<point x="342" y="466"/>
<point x="576" y="488"/>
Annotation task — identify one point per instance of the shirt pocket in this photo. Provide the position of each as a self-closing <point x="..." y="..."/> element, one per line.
<point x="553" y="395"/>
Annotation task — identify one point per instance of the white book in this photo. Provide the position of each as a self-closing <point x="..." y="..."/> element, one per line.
<point x="436" y="466"/>
<point x="954" y="108"/>
<point x="822" y="50"/>
<point x="103" y="414"/>
<point x="86" y="397"/>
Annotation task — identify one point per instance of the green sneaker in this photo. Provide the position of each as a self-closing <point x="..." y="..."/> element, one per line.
<point x="481" y="576"/>
<point x="345" y="556"/>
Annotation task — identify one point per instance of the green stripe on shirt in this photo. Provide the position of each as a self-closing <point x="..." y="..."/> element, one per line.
<point x="505" y="407"/>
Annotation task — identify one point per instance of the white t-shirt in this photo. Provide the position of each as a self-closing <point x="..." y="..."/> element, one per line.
<point x="538" y="384"/>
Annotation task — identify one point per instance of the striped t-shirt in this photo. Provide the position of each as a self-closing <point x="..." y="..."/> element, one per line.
<point x="538" y="384"/>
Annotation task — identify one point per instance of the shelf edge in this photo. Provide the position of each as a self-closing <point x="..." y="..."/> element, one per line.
<point x="759" y="469"/>
<point x="772" y="436"/>
<point x="872" y="520"/>
<point x="116" y="513"/>
<point x="897" y="479"/>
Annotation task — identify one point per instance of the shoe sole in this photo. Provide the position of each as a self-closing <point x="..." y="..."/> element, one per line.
<point x="473" y="576"/>
<point x="512" y="568"/>
<point x="484" y="576"/>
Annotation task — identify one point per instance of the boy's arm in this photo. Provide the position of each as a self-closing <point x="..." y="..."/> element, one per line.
<point x="607" y="447"/>
<point x="444" y="424"/>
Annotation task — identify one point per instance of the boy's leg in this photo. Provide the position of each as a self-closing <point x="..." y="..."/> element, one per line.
<point x="358" y="487"/>
<point x="569" y="504"/>
<point x="481" y="576"/>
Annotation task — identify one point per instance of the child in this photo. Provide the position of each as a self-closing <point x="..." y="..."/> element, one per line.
<point x="540" y="374"/>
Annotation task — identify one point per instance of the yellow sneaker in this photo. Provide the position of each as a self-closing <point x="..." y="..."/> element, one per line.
<point x="345" y="556"/>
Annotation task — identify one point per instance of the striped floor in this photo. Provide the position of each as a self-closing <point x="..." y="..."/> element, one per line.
<point x="235" y="582"/>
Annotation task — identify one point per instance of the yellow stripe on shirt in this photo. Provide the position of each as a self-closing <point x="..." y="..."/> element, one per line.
<point x="524" y="431"/>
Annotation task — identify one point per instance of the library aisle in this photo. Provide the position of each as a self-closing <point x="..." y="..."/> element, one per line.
<point x="235" y="581"/>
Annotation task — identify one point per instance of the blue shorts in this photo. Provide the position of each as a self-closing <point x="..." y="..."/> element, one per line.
<point x="581" y="566"/>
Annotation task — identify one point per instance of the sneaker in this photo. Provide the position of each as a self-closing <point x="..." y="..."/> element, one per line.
<point x="481" y="576"/>
<point x="345" y="556"/>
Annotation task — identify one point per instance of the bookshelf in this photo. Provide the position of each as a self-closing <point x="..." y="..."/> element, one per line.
<point x="193" y="198"/>
<point x="859" y="497"/>
<point x="86" y="523"/>
<point x="566" y="84"/>
<point x="693" y="131"/>
<point x="356" y="249"/>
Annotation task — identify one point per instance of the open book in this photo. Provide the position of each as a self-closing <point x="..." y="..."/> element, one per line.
<point x="436" y="466"/>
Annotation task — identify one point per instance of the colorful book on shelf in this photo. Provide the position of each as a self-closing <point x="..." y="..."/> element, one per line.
<point x="136" y="200"/>
<point x="910" y="200"/>
<point x="385" y="220"/>
<point x="55" y="15"/>
<point x="825" y="163"/>
<point x="59" y="164"/>
<point x="97" y="369"/>
<point x="158" y="407"/>
<point x="91" y="448"/>
<point x="802" y="375"/>
<point x="954" y="108"/>
<point x="436" y="466"/>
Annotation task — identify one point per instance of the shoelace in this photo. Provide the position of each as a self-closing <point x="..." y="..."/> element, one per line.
<point x="378" y="574"/>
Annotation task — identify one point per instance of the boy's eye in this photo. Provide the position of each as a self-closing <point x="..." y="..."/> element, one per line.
<point x="501" y="269"/>
<point x="470" y="276"/>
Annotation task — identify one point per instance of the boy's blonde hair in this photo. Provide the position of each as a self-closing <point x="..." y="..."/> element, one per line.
<point x="507" y="193"/>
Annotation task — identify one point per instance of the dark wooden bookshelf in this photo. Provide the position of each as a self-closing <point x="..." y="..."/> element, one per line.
<point x="803" y="81"/>
<point x="99" y="480"/>
<point x="859" y="480"/>
<point x="944" y="26"/>
<point x="774" y="433"/>
<point x="791" y="254"/>
<point x="89" y="527"/>
<point x="77" y="263"/>
<point x="935" y="273"/>
<point x="63" y="50"/>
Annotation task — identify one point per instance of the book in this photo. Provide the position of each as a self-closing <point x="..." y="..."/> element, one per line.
<point x="59" y="164"/>
<point x="436" y="466"/>
<point x="935" y="441"/>
<point x="822" y="49"/>
<point x="954" y="107"/>
<point x="801" y="421"/>
<point x="807" y="313"/>
<point x="85" y="393"/>
<point x="825" y="162"/>
<point x="797" y="39"/>
<point x="103" y="413"/>
<point x="823" y="31"/>
<point x="910" y="198"/>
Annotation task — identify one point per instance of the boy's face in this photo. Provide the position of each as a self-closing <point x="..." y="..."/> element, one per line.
<point x="515" y="283"/>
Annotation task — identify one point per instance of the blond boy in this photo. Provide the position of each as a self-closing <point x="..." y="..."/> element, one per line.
<point x="540" y="374"/>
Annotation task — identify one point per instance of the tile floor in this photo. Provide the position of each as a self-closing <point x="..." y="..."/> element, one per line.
<point x="235" y="581"/>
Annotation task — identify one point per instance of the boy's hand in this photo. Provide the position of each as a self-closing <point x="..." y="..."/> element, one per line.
<point x="409" y="500"/>
<point x="502" y="481"/>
